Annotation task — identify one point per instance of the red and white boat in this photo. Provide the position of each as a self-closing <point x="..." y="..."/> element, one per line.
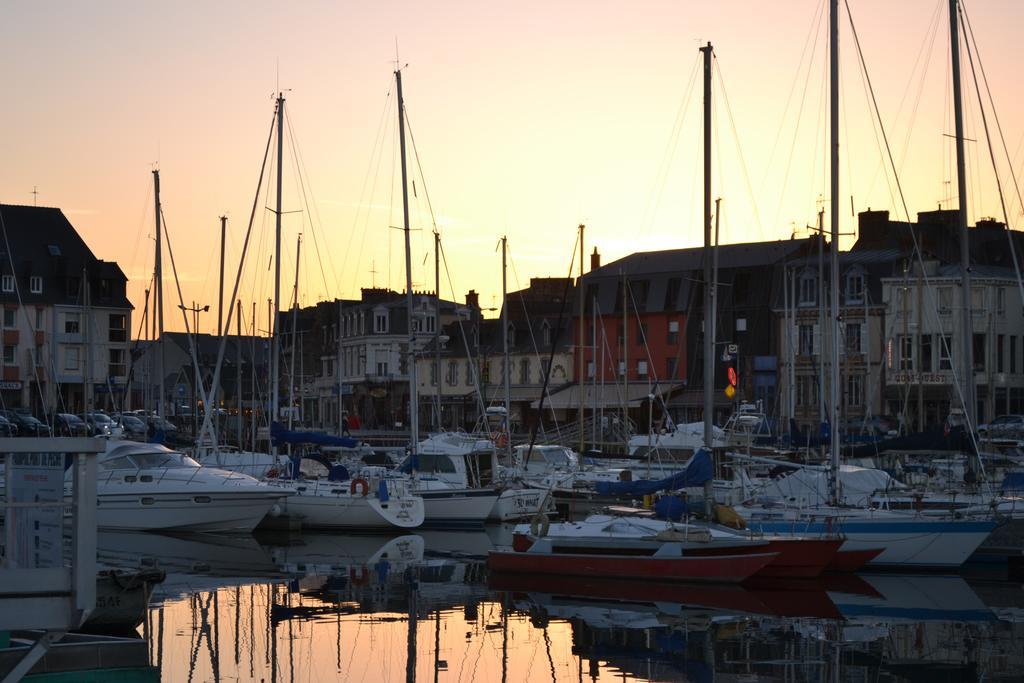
<point x="795" y="557"/>
<point x="669" y="561"/>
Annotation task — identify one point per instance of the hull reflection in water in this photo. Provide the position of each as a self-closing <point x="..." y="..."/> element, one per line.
<point x="399" y="608"/>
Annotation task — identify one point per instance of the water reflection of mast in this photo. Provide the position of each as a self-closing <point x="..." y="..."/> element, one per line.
<point x="204" y="629"/>
<point x="504" y="636"/>
<point x="437" y="642"/>
<point x="410" y="654"/>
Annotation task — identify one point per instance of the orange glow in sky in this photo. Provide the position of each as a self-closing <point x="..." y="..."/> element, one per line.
<point x="529" y="118"/>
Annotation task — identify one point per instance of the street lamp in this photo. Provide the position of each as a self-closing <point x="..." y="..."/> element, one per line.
<point x="195" y="311"/>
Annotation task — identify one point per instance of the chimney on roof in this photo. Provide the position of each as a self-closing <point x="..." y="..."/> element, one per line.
<point x="595" y="260"/>
<point x="473" y="299"/>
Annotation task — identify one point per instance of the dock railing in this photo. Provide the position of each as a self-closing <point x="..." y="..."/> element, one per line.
<point x="45" y="514"/>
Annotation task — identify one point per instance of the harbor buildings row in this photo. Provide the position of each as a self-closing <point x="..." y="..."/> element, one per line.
<point x="634" y="355"/>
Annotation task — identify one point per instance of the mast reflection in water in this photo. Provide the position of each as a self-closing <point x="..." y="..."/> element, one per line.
<point x="368" y="608"/>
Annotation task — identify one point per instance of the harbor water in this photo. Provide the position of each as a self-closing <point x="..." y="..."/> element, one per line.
<point x="323" y="607"/>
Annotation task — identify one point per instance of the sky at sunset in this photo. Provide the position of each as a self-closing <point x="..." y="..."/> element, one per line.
<point x="528" y="119"/>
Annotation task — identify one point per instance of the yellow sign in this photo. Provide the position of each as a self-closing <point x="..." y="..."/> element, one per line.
<point x="730" y="391"/>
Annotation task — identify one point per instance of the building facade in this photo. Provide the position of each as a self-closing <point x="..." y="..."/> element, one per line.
<point x="66" y="321"/>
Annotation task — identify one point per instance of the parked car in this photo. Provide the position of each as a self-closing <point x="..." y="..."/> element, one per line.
<point x="100" y="424"/>
<point x="66" y="424"/>
<point x="1004" y="425"/>
<point x="27" y="424"/>
<point x="162" y="424"/>
<point x="6" y="428"/>
<point x="133" y="427"/>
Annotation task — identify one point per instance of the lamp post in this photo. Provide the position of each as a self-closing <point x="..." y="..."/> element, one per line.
<point x="195" y="311"/>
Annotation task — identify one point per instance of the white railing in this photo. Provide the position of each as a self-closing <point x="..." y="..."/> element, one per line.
<point x="40" y="586"/>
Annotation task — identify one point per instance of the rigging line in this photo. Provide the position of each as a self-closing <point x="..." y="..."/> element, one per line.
<point x="208" y="399"/>
<point x="143" y="324"/>
<point x="551" y="356"/>
<point x="31" y="325"/>
<point x="661" y="177"/>
<point x="419" y="167"/>
<point x="529" y="327"/>
<point x="796" y="127"/>
<point x="992" y="155"/>
<point x="465" y="339"/>
<point x="913" y="231"/>
<point x="184" y="312"/>
<point x="312" y="208"/>
<point x="313" y="214"/>
<point x="995" y="115"/>
<point x="376" y="153"/>
<point x="926" y="48"/>
<point x="739" y="148"/>
<point x="816" y="19"/>
<point x="139" y="229"/>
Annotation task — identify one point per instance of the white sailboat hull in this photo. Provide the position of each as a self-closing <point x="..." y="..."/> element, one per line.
<point x="335" y="506"/>
<point x="515" y="504"/>
<point x="458" y="507"/>
<point x="908" y="541"/>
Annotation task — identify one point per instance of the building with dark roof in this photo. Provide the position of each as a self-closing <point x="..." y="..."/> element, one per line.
<point x="67" y="318"/>
<point x="648" y="309"/>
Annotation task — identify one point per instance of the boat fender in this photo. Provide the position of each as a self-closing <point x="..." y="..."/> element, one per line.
<point x="539" y="525"/>
<point x="359" y="577"/>
<point x="359" y="483"/>
<point x="728" y="516"/>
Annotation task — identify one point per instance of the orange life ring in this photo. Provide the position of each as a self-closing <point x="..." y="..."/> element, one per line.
<point x="359" y="483"/>
<point x="359" y="577"/>
<point x="501" y="440"/>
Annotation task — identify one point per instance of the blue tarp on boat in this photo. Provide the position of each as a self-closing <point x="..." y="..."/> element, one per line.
<point x="279" y="435"/>
<point x="1013" y="482"/>
<point x="698" y="471"/>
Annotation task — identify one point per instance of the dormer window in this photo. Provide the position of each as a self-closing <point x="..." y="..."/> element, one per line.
<point x="545" y="330"/>
<point x="35" y="284"/>
<point x="855" y="287"/>
<point x="380" y="322"/>
<point x="7" y="283"/>
<point x="808" y="288"/>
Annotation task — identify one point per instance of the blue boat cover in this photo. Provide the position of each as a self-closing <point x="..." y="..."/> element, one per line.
<point x="1013" y="482"/>
<point x="279" y="435"/>
<point x="698" y="470"/>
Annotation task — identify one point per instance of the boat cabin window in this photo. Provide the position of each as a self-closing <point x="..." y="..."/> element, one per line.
<point x="122" y="463"/>
<point x="556" y="456"/>
<point x="436" y="463"/>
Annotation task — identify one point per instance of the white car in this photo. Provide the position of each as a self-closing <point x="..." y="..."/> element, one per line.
<point x="1004" y="425"/>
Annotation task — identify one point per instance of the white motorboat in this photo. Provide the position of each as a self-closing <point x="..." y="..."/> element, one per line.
<point x="458" y="477"/>
<point x="149" y="487"/>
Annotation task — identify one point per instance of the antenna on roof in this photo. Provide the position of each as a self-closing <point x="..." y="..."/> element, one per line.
<point x="35" y="195"/>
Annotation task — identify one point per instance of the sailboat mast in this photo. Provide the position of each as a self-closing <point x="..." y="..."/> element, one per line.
<point x="238" y="382"/>
<point x="275" y="344"/>
<point x="295" y="332"/>
<point x="437" y="321"/>
<point x="709" y="349"/>
<point x="967" y="372"/>
<point x="220" y="287"/>
<point x="580" y="346"/>
<point x="834" y="247"/>
<point x="158" y="297"/>
<point x="414" y="418"/>
<point x="507" y="370"/>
